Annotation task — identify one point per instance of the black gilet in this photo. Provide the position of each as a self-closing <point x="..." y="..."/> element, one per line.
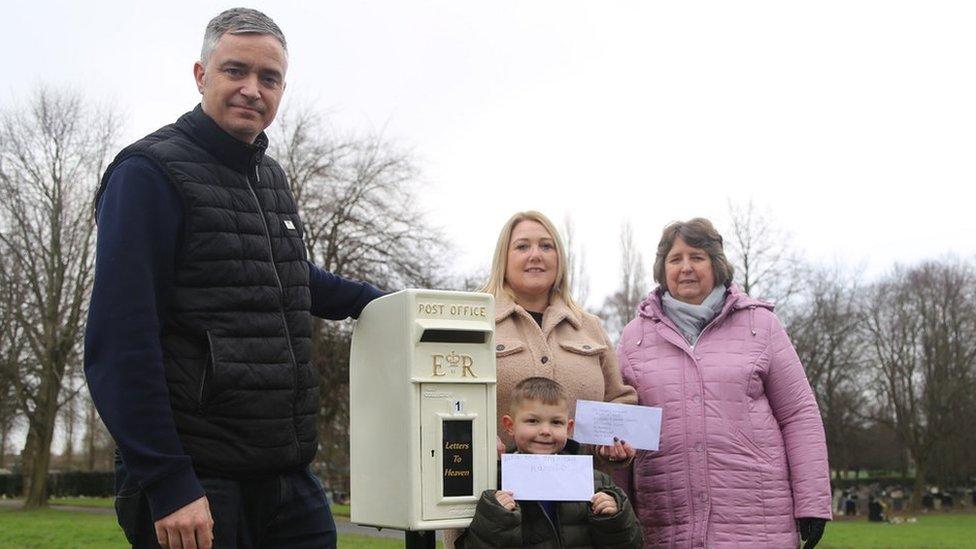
<point x="235" y="331"/>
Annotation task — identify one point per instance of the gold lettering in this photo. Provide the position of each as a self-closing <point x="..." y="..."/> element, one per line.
<point x="452" y="310"/>
<point x="456" y="446"/>
<point x="455" y="473"/>
<point x="430" y="308"/>
<point x="437" y="366"/>
<point x="466" y="363"/>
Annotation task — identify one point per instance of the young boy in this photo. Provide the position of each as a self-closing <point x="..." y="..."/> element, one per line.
<point x="539" y="422"/>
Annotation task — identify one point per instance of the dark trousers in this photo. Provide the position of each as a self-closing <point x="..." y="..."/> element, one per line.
<point x="288" y="510"/>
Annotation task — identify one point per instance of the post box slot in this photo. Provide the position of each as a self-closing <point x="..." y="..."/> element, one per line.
<point x="454" y="336"/>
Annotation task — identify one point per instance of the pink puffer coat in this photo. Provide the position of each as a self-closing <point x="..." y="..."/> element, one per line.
<point x="742" y="449"/>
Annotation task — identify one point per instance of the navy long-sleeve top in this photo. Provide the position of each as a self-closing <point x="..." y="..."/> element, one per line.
<point x="139" y="222"/>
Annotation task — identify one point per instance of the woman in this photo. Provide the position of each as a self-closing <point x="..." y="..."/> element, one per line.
<point x="742" y="457"/>
<point x="541" y="331"/>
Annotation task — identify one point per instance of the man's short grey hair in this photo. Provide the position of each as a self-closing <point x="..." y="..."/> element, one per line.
<point x="238" y="21"/>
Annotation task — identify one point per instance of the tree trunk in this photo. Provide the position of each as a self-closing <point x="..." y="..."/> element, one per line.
<point x="70" y="417"/>
<point x="90" y="435"/>
<point x="39" y="443"/>
<point x="918" y="489"/>
<point x="906" y="458"/>
<point x="27" y="459"/>
<point x="4" y="433"/>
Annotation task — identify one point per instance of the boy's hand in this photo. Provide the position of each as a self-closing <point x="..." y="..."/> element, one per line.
<point x="618" y="451"/>
<point x="505" y="499"/>
<point x="603" y="504"/>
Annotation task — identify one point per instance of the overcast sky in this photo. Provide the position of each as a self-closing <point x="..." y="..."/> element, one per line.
<point x="853" y="122"/>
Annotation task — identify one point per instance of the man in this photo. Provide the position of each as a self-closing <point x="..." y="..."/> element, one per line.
<point x="198" y="337"/>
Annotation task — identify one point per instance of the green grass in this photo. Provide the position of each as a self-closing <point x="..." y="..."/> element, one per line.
<point x="54" y="528"/>
<point x="366" y="542"/>
<point x="931" y="531"/>
<point x="57" y="529"/>
<point x="105" y="503"/>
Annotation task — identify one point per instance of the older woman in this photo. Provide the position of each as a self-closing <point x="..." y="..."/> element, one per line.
<point x="742" y="458"/>
<point x="539" y="328"/>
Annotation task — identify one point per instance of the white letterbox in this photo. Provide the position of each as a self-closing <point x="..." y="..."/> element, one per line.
<point x="422" y="409"/>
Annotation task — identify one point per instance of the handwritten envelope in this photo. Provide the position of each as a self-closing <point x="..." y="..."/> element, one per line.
<point x="599" y="422"/>
<point x="537" y="477"/>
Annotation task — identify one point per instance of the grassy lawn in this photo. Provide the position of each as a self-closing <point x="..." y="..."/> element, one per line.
<point x="931" y="531"/>
<point x="106" y="503"/>
<point x="53" y="528"/>
<point x="366" y="542"/>
<point x="69" y="529"/>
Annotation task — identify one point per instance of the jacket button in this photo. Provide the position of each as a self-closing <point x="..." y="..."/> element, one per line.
<point x="545" y="359"/>
<point x="703" y="496"/>
<point x="499" y="347"/>
<point x="698" y="447"/>
<point x="587" y="347"/>
<point x="696" y="399"/>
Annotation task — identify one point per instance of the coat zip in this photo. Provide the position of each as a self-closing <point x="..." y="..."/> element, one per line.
<point x="559" y="540"/>
<point x="670" y="324"/>
<point x="206" y="370"/>
<point x="690" y="350"/>
<point x="281" y="290"/>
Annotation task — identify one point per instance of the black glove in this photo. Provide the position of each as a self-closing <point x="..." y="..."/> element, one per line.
<point x="811" y="530"/>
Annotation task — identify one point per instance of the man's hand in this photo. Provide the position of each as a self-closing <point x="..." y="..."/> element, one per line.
<point x="619" y="451"/>
<point x="603" y="503"/>
<point x="189" y="527"/>
<point x="505" y="499"/>
<point x="811" y="530"/>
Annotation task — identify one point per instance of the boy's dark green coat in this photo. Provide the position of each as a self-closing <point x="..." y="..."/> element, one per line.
<point x="528" y="525"/>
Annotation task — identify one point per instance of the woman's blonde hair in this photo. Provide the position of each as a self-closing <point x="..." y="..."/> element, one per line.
<point x="496" y="284"/>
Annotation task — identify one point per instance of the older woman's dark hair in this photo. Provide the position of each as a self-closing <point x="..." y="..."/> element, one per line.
<point x="697" y="233"/>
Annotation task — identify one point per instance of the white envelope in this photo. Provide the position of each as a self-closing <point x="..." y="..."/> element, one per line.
<point x="598" y="422"/>
<point x="545" y="477"/>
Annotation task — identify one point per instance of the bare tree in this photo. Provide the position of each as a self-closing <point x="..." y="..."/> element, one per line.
<point x="765" y="264"/>
<point x="826" y="334"/>
<point x="358" y="200"/>
<point x="99" y="446"/>
<point x="8" y="421"/>
<point x="922" y="325"/>
<point x="68" y="416"/>
<point x="621" y="306"/>
<point x="52" y="151"/>
<point x="11" y="351"/>
<point x="468" y="281"/>
<point x="579" y="280"/>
